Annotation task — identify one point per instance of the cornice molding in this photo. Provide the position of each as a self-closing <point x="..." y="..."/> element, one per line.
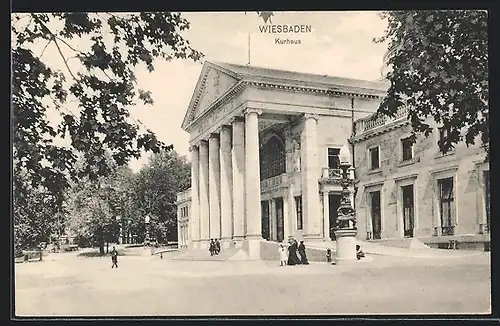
<point x="240" y="85"/>
<point x="311" y="89"/>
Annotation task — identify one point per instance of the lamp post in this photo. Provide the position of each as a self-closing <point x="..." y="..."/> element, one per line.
<point x="346" y="231"/>
<point x="119" y="221"/>
<point x="146" y="220"/>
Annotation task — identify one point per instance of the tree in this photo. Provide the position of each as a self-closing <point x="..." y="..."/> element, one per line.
<point x="103" y="90"/>
<point x="155" y="192"/>
<point x="93" y="206"/>
<point x="438" y="64"/>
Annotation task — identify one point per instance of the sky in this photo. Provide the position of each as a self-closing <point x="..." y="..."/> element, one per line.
<point x="340" y="44"/>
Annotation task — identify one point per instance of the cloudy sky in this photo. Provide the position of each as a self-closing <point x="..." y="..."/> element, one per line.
<point x="340" y="44"/>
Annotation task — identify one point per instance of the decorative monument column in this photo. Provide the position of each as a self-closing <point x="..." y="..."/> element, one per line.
<point x="346" y="221"/>
<point x="310" y="175"/>
<point x="204" y="210"/>
<point x="238" y="166"/>
<point x="226" y="182"/>
<point x="252" y="183"/>
<point x="214" y="185"/>
<point x="194" y="218"/>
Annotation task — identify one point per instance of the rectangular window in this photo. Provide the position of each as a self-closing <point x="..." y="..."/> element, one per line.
<point x="408" y="210"/>
<point x="374" y="158"/>
<point x="333" y="158"/>
<point x="376" y="215"/>
<point x="443" y="134"/>
<point x="446" y="205"/>
<point x="298" y="206"/>
<point x="407" y="149"/>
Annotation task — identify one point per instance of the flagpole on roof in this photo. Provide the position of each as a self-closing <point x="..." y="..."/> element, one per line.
<point x="248" y="45"/>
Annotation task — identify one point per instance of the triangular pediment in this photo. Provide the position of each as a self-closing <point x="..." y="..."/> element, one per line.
<point x="213" y="83"/>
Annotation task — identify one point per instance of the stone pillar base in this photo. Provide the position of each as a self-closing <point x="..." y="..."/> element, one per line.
<point x="346" y="246"/>
<point x="203" y="244"/>
<point x="254" y="246"/>
<point x="238" y="242"/>
<point x="195" y="244"/>
<point x="227" y="243"/>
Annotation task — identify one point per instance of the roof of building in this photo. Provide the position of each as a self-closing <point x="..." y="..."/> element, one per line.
<point x="249" y="70"/>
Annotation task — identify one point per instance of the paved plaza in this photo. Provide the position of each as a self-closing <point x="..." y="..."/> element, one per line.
<point x="144" y="285"/>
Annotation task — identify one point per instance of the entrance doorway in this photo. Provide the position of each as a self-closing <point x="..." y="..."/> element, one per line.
<point x="376" y="215"/>
<point x="334" y="204"/>
<point x="265" y="219"/>
<point x="279" y="220"/>
<point x="408" y="211"/>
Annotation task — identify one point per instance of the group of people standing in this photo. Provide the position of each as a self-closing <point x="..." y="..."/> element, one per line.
<point x="214" y="247"/>
<point x="296" y="253"/>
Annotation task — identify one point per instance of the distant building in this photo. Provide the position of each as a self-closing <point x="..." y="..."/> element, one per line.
<point x="183" y="211"/>
<point x="414" y="190"/>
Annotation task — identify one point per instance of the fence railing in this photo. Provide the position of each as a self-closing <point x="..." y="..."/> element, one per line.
<point x="372" y="121"/>
<point x="184" y="195"/>
<point x="273" y="182"/>
<point x="328" y="173"/>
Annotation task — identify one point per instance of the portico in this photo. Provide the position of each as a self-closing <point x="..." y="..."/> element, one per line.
<point x="257" y="141"/>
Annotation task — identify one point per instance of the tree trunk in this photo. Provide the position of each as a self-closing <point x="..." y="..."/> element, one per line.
<point x="101" y="245"/>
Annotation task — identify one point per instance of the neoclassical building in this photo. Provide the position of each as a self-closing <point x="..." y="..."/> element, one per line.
<point x="265" y="149"/>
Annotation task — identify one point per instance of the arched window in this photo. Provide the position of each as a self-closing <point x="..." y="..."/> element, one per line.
<point x="272" y="159"/>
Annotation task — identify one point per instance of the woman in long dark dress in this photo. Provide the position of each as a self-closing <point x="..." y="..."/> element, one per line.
<point x="302" y="253"/>
<point x="292" y="253"/>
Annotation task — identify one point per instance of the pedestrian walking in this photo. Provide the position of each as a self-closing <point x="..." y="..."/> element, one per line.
<point x="217" y="246"/>
<point x="328" y="255"/>
<point x="283" y="256"/>
<point x="114" y="258"/>
<point x="292" y="253"/>
<point x="302" y="253"/>
<point x="211" y="248"/>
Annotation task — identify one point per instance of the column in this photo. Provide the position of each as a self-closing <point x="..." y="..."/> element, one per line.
<point x="270" y="220"/>
<point x="310" y="175"/>
<point x="326" y="215"/>
<point x="214" y="185"/>
<point x="195" y="201"/>
<point x="252" y="182"/>
<point x="238" y="167"/>
<point x="273" y="220"/>
<point x="179" y="231"/>
<point x="226" y="185"/>
<point x="204" y="211"/>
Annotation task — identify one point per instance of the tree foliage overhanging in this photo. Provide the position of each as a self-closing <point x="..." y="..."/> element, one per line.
<point x="439" y="69"/>
<point x="103" y="90"/>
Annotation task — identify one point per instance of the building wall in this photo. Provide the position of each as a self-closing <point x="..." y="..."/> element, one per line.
<point x="183" y="218"/>
<point x="428" y="165"/>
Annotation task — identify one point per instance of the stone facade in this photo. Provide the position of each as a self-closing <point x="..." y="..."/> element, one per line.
<point x="183" y="212"/>
<point x="265" y="164"/>
<point x="411" y="191"/>
<point x="263" y="145"/>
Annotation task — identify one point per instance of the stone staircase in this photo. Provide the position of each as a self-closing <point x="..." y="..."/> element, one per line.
<point x="204" y="255"/>
<point x="406" y="243"/>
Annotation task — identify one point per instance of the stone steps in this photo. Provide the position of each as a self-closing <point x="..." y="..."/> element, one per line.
<point x="204" y="255"/>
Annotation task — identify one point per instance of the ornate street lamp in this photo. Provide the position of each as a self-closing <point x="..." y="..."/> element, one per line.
<point x="346" y="231"/>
